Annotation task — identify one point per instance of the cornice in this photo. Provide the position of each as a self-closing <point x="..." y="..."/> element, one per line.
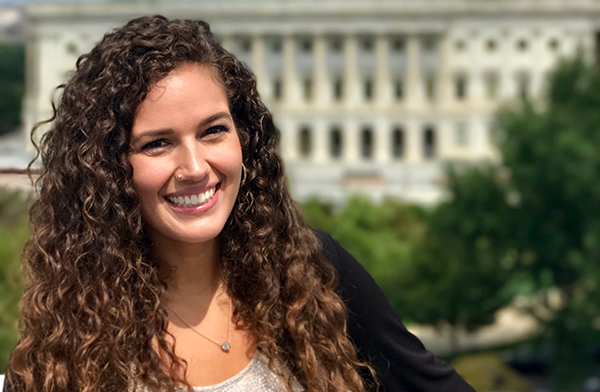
<point x="334" y="9"/>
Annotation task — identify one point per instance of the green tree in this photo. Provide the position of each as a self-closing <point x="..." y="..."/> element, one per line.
<point x="381" y="236"/>
<point x="530" y="226"/>
<point x="12" y="75"/>
<point x="458" y="274"/>
<point x="554" y="165"/>
<point x="14" y="231"/>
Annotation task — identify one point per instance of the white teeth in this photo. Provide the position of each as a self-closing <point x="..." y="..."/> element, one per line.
<point x="194" y="200"/>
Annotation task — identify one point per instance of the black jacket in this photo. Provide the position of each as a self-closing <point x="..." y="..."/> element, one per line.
<point x="401" y="361"/>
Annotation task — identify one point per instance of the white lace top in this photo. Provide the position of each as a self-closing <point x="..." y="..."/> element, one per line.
<point x="255" y="377"/>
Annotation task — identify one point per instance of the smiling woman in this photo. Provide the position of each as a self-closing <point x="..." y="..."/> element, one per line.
<point x="166" y="252"/>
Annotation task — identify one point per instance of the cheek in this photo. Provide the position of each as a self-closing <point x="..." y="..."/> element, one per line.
<point x="147" y="179"/>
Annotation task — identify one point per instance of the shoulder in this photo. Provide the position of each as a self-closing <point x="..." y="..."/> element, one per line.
<point x="343" y="262"/>
<point x="401" y="361"/>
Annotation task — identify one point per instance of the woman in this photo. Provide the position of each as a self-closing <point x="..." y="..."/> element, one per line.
<point x="166" y="251"/>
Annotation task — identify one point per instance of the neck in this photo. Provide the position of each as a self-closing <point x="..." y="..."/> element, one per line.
<point x="192" y="271"/>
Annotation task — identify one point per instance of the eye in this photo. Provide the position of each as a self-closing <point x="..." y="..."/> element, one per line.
<point x="216" y="129"/>
<point x="155" y="144"/>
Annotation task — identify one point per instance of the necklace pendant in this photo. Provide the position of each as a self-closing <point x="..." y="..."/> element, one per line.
<point x="225" y="346"/>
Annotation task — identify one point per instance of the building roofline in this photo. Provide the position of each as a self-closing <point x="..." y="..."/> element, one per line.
<point x="337" y="9"/>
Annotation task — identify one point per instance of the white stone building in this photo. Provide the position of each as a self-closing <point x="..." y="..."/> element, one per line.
<point x="370" y="96"/>
<point x="11" y="27"/>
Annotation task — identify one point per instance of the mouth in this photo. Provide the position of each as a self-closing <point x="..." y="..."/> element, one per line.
<point x="193" y="200"/>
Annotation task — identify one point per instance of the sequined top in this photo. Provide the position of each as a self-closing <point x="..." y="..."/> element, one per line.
<point x="255" y="377"/>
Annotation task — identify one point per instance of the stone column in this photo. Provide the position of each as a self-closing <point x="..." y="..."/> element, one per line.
<point x="382" y="84"/>
<point x="321" y="142"/>
<point x="445" y="138"/>
<point x="383" y="141"/>
<point x="258" y="62"/>
<point x="444" y="75"/>
<point x="414" y="90"/>
<point x="289" y="140"/>
<point x="290" y="77"/>
<point x="320" y="70"/>
<point x="350" y="71"/>
<point x="351" y="146"/>
<point x="414" y="141"/>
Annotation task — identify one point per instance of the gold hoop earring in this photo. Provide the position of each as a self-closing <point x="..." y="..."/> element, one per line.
<point x="244" y="174"/>
<point x="179" y="174"/>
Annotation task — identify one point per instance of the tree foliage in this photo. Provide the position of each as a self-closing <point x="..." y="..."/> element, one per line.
<point x="12" y="75"/>
<point x="530" y="226"/>
<point x="458" y="274"/>
<point x="552" y="158"/>
<point x="14" y="231"/>
<point x="382" y="237"/>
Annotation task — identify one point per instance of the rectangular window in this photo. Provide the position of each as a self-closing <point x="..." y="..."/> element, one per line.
<point x="430" y="87"/>
<point x="429" y="143"/>
<point x="338" y="89"/>
<point x="398" y="89"/>
<point x="305" y="142"/>
<point x="335" y="142"/>
<point x="398" y="142"/>
<point x="366" y="143"/>
<point x="368" y="89"/>
<point x="307" y="86"/>
<point x="460" y="87"/>
<point x="277" y="89"/>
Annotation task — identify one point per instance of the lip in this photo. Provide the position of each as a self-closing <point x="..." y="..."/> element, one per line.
<point x="198" y="210"/>
<point x="194" y="190"/>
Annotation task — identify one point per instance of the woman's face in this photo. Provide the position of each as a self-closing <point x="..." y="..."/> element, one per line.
<point x="184" y="129"/>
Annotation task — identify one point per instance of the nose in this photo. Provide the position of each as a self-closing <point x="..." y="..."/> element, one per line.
<point x="192" y="164"/>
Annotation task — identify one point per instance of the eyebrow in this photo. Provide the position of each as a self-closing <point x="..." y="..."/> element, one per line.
<point x="168" y="131"/>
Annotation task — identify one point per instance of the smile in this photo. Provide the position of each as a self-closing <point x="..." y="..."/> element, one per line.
<point x="193" y="200"/>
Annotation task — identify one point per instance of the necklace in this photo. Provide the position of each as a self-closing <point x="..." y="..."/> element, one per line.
<point x="225" y="346"/>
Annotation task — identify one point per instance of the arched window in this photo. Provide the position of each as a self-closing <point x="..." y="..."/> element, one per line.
<point x="398" y="142"/>
<point x="305" y="142"/>
<point x="366" y="139"/>
<point x="522" y="45"/>
<point x="429" y="142"/>
<point x="335" y="142"/>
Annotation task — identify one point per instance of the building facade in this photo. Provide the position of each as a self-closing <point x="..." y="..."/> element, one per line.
<point x="372" y="96"/>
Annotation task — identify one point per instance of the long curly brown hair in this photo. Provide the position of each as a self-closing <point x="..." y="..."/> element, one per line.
<point x="91" y="314"/>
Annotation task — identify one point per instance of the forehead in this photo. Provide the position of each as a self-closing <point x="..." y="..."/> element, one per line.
<point x="190" y="92"/>
<point x="183" y="79"/>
